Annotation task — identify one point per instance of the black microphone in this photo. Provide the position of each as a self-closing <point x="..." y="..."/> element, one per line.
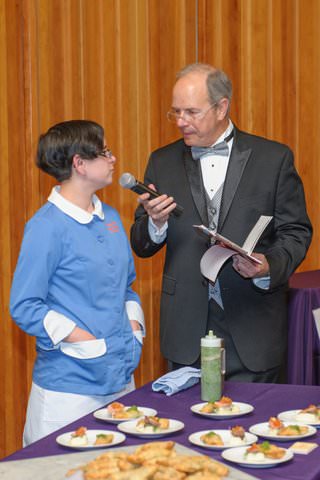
<point x="128" y="181"/>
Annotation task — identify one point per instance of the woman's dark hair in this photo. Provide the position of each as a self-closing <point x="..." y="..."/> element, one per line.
<point x="57" y="147"/>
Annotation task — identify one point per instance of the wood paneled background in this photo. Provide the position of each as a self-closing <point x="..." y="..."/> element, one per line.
<point x="114" y="61"/>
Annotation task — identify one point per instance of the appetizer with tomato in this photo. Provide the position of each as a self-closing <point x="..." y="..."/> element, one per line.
<point x="79" y="437"/>
<point x="262" y="451"/>
<point x="224" y="406"/>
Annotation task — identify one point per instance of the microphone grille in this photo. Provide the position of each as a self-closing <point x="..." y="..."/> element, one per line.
<point x="127" y="180"/>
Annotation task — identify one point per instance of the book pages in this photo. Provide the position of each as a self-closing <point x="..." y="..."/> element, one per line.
<point x="255" y="234"/>
<point x="212" y="261"/>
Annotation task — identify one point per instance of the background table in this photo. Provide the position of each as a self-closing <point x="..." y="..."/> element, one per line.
<point x="303" y="340"/>
<point x="267" y="399"/>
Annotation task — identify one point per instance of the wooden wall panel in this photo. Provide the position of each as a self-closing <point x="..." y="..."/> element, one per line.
<point x="269" y="48"/>
<point x="115" y="61"/>
<point x="13" y="172"/>
<point x="307" y="114"/>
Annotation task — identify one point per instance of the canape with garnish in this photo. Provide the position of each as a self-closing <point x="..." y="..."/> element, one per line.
<point x="262" y="451"/>
<point x="311" y="414"/>
<point x="79" y="437"/>
<point x="224" y="405"/>
<point x="104" y="438"/>
<point x="152" y="424"/>
<point x="212" y="438"/>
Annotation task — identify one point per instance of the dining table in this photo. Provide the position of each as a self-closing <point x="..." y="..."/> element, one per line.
<point x="303" y="357"/>
<point x="265" y="399"/>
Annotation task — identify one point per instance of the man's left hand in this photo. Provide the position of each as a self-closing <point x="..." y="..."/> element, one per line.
<point x="248" y="269"/>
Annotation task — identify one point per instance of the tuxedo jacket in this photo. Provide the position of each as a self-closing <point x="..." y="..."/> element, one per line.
<point x="261" y="180"/>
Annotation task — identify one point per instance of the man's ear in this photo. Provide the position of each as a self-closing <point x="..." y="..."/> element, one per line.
<point x="223" y="108"/>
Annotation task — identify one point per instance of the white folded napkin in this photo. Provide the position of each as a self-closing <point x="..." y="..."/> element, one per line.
<point x="177" y="380"/>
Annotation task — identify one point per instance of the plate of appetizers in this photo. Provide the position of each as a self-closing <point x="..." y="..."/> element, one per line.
<point x="308" y="416"/>
<point x="223" y="408"/>
<point x="154" y="427"/>
<point x="117" y="412"/>
<point x="276" y="429"/>
<point x="220" y="439"/>
<point x="86" y="439"/>
<point x="263" y="455"/>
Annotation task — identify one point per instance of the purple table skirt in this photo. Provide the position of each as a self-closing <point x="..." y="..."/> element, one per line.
<point x="303" y="340"/>
<point x="267" y="399"/>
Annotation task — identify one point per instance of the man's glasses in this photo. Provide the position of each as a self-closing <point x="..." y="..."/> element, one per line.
<point x="188" y="114"/>
<point x="106" y="152"/>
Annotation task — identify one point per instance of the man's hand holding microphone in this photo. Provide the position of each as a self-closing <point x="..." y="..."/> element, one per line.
<point x="158" y="206"/>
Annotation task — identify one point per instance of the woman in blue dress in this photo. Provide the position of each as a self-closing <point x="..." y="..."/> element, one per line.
<point x="72" y="288"/>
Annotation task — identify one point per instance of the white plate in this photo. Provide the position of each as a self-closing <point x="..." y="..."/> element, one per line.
<point x="103" y="414"/>
<point x="244" y="409"/>
<point x="225" y="436"/>
<point x="262" y="430"/>
<point x="130" y="427"/>
<point x="236" y="455"/>
<point x="64" y="439"/>
<point x="290" y="416"/>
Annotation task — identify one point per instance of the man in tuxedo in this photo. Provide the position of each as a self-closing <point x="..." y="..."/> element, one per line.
<point x="226" y="188"/>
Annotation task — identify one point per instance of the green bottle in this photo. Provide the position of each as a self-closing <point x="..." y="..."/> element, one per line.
<point x="212" y="367"/>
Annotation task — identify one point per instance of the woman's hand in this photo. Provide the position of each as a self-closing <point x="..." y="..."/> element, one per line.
<point x="79" y="335"/>
<point x="135" y="325"/>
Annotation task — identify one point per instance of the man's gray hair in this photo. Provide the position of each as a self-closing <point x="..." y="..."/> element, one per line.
<point x="218" y="83"/>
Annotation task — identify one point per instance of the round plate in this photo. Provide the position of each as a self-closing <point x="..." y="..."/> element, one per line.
<point x="244" y="409"/>
<point x="225" y="436"/>
<point x="64" y="439"/>
<point x="104" y="415"/>
<point x="290" y="416"/>
<point x="130" y="428"/>
<point x="237" y="455"/>
<point x="262" y="430"/>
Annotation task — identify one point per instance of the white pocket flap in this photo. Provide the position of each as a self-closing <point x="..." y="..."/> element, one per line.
<point x="86" y="349"/>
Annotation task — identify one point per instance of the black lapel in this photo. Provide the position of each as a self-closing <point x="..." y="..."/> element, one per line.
<point x="193" y="170"/>
<point x="238" y="159"/>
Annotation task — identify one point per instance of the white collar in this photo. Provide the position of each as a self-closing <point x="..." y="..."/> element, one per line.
<point x="224" y="134"/>
<point x="73" y="210"/>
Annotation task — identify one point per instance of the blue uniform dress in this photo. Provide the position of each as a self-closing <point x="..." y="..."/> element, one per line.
<point x="76" y="268"/>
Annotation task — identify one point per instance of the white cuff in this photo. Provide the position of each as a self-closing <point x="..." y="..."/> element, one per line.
<point x="262" y="282"/>
<point x="139" y="335"/>
<point x="135" y="312"/>
<point x="157" y="235"/>
<point x="57" y="326"/>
